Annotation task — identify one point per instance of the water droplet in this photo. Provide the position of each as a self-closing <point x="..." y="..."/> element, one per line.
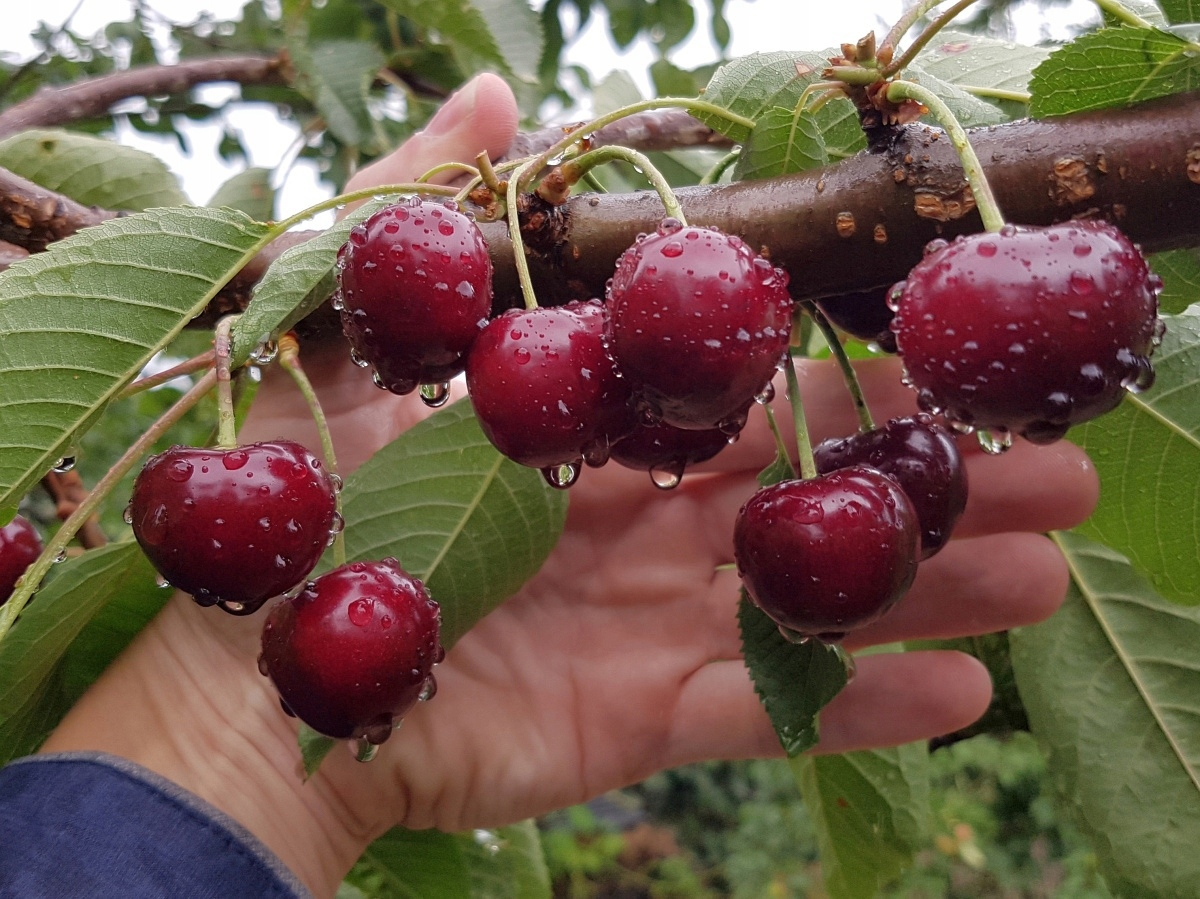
<point x="233" y="607"/>
<point x="264" y="353"/>
<point x="162" y="583"/>
<point x="560" y="477"/>
<point x="65" y="464"/>
<point x="435" y="395"/>
<point x="365" y="750"/>
<point x="234" y="460"/>
<point x="377" y="380"/>
<point x="672" y="249"/>
<point x="127" y="515"/>
<point x="358" y="360"/>
<point x="986" y="249"/>
<point x="1141" y="379"/>
<point x="338" y="302"/>
<point x="667" y="475"/>
<point x="61" y="556"/>
<point x="488" y="841"/>
<point x="428" y="689"/>
<point x="337" y="523"/>
<point x="793" y="636"/>
<point x="446" y="228"/>
<point x="521" y="355"/>
<point x="765" y="395"/>
<point x="360" y="612"/>
<point x="335" y="482"/>
<point x="994" y="441"/>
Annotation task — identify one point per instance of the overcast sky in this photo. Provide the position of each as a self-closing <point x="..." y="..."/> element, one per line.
<point x="757" y="25"/>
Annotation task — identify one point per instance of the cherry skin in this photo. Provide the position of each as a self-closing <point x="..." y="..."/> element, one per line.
<point x="1028" y="330"/>
<point x="698" y="324"/>
<point x="864" y="314"/>
<point x="234" y="527"/>
<point x="19" y="546"/>
<point x="414" y="290"/>
<point x="922" y="457"/>
<point x="354" y="652"/>
<point x="827" y="555"/>
<point x="666" y="452"/>
<point x="544" y="388"/>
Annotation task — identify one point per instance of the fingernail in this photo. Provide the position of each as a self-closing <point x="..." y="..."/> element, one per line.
<point x="459" y="107"/>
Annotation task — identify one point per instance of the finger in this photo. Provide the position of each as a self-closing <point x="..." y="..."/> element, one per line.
<point x="894" y="698"/>
<point x="1028" y="488"/>
<point x="481" y="117"/>
<point x="975" y="586"/>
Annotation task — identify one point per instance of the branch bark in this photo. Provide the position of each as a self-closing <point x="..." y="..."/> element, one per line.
<point x="94" y="96"/>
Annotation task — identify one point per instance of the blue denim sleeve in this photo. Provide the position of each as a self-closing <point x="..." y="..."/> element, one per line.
<point x="94" y="825"/>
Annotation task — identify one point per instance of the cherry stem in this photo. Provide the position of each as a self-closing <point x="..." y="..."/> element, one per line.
<point x="461" y="168"/>
<point x="865" y="422"/>
<point x="923" y="39"/>
<point x="514" y="234"/>
<point x="808" y="466"/>
<point x="1122" y="13"/>
<point x="574" y="169"/>
<point x="226" y="416"/>
<point x="905" y="22"/>
<point x="289" y="358"/>
<point x="195" y="364"/>
<point x="713" y="175"/>
<point x="781" y="447"/>
<point x="985" y="200"/>
<point x="57" y="545"/>
<point x="487" y="174"/>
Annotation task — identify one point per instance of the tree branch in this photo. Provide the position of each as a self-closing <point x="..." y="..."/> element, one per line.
<point x="95" y="96"/>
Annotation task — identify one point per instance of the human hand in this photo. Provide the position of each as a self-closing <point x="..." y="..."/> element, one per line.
<point x="621" y="657"/>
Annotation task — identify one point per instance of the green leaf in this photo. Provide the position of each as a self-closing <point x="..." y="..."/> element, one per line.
<point x="505" y="863"/>
<point x="1147" y="452"/>
<point x="471" y="524"/>
<point x="1180" y="271"/>
<point x="1174" y="12"/>
<point x="81" y="320"/>
<point x="335" y="75"/>
<point x="871" y="812"/>
<point x="313" y="748"/>
<point x="982" y="66"/>
<point x="77" y="623"/>
<point x="783" y="141"/>
<point x="249" y="191"/>
<point x="1111" y="683"/>
<point x="793" y="680"/>
<point x="90" y="170"/>
<point x="1113" y="67"/>
<point x="483" y="34"/>
<point x="298" y="282"/>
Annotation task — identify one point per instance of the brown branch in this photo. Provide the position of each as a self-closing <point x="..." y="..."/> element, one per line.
<point x="659" y="129"/>
<point x="95" y="96"/>
<point x="67" y="490"/>
<point x="32" y="217"/>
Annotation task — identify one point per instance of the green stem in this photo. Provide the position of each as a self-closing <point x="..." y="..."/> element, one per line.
<point x="289" y="358"/>
<point x="574" y="170"/>
<point x="995" y="93"/>
<point x="226" y="417"/>
<point x="849" y="375"/>
<point x="1121" y="13"/>
<point x="808" y="466"/>
<point x="923" y="39"/>
<point x="518" y="241"/>
<point x="713" y="175"/>
<point x="57" y="545"/>
<point x="459" y="167"/>
<point x="195" y="364"/>
<point x="781" y="447"/>
<point x="910" y="17"/>
<point x="985" y="200"/>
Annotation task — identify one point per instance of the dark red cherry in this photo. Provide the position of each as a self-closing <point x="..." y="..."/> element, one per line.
<point x="19" y="546"/>
<point x="665" y="451"/>
<point x="1028" y="330"/>
<point x="865" y="314"/>
<point x="922" y="457"/>
<point x="355" y="650"/>
<point x="544" y="389"/>
<point x="414" y="290"/>
<point x="237" y="526"/>
<point x="698" y="324"/>
<point x="828" y="555"/>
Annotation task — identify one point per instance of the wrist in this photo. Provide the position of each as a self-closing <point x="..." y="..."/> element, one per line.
<point x="178" y="704"/>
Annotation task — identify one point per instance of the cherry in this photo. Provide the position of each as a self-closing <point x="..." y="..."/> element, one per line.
<point x="19" y="546"/>
<point x="922" y="457"/>
<point x="864" y="314"/>
<point x="1029" y="330"/>
<point x="234" y="527"/>
<point x="353" y="652"/>
<point x="827" y="555"/>
<point x="697" y="324"/>
<point x="544" y="388"/>
<point x="665" y="451"/>
<point x="414" y="290"/>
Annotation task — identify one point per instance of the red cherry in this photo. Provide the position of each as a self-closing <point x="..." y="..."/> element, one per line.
<point x="19" y="546"/>
<point x="666" y="452"/>
<point x="234" y="527"/>
<point x="352" y="653"/>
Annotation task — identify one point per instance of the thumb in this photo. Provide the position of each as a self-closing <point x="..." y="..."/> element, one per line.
<point x="481" y="116"/>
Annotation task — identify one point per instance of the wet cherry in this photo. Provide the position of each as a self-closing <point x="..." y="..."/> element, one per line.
<point x="234" y="527"/>
<point x="19" y="546"/>
<point x="414" y="290"/>
<point x="666" y="452"/>
<point x="354" y="651"/>
<point x="827" y="555"/>
<point x="697" y="325"/>
<point x="922" y="457"/>
<point x="544" y="389"/>
<point x="1028" y="330"/>
<point x="864" y="314"/>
